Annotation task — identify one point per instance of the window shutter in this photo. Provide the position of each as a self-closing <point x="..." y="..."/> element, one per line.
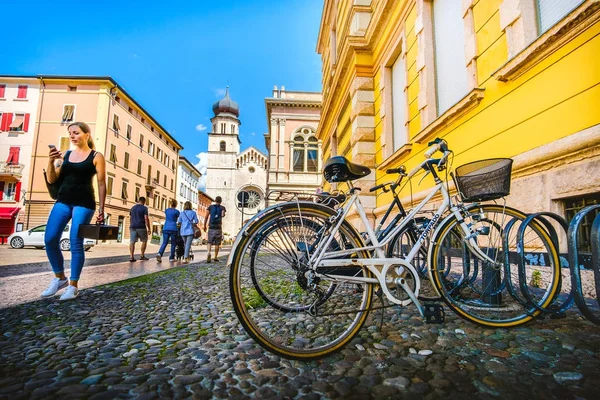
<point x="1" y="190"/>
<point x="6" y="120"/>
<point x="449" y="48"/>
<point x="2" y="90"/>
<point x="13" y="155"/>
<point x="399" y="103"/>
<point x="18" y="192"/>
<point x="26" y="123"/>
<point x="3" y="122"/>
<point x="22" y="94"/>
<point x="552" y="11"/>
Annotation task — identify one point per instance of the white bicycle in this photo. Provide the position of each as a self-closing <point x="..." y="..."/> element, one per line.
<point x="302" y="278"/>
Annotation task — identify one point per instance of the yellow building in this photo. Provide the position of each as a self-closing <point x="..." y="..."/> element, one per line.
<point x="141" y="156"/>
<point x="495" y="78"/>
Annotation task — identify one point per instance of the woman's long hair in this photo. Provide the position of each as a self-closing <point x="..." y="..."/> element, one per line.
<point x="187" y="205"/>
<point x="85" y="129"/>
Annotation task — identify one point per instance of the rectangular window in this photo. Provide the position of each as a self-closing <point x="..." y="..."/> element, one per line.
<point x="68" y="113"/>
<point x="22" y="92"/>
<point x="109" y="186"/>
<point x="399" y="103"/>
<point x="552" y="11"/>
<point x="141" y="141"/>
<point x="172" y="183"/>
<point x="72" y="88"/>
<point x="2" y="91"/>
<point x="232" y="128"/>
<point x="572" y="207"/>
<point x="299" y="160"/>
<point x="154" y="201"/>
<point x="17" y="124"/>
<point x="113" y="153"/>
<point x="126" y="161"/>
<point x="222" y="127"/>
<point x="116" y="126"/>
<point x="65" y="144"/>
<point x="311" y="161"/>
<point x="150" y="148"/>
<point x="139" y="168"/>
<point x="165" y="180"/>
<point x="128" y="132"/>
<point x="157" y="177"/>
<point x="10" y="189"/>
<point x="124" y="191"/>
<point x="137" y="193"/>
<point x="449" y="52"/>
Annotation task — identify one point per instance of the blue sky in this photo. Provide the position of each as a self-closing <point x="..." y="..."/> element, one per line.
<point x="175" y="58"/>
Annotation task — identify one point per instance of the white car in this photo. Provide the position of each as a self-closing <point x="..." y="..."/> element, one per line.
<point x="35" y="237"/>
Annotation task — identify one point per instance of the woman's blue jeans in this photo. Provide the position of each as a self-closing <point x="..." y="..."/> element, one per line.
<point x="188" y="245"/>
<point x="168" y="235"/>
<point x="59" y="218"/>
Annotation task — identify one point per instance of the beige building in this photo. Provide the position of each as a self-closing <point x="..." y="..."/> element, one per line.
<point x="18" y="112"/>
<point x="141" y="156"/>
<point x="295" y="155"/>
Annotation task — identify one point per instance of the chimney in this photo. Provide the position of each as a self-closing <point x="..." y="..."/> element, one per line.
<point x="275" y="92"/>
<point x="282" y="92"/>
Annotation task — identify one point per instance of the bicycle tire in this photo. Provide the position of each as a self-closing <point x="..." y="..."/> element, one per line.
<point x="492" y="305"/>
<point x="294" y="333"/>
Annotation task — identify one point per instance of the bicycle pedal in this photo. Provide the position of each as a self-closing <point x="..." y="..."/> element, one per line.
<point x="434" y="313"/>
<point x="555" y="312"/>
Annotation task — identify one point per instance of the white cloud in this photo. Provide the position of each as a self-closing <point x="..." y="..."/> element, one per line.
<point x="219" y="92"/>
<point x="200" y="127"/>
<point x="252" y="133"/>
<point x="202" y="166"/>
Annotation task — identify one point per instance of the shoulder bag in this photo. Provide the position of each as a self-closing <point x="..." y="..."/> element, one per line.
<point x="197" y="231"/>
<point x="54" y="187"/>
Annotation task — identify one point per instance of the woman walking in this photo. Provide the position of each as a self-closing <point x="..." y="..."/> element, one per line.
<point x="186" y="219"/>
<point x="169" y="231"/>
<point x="76" y="203"/>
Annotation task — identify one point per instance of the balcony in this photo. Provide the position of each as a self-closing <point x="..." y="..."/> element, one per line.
<point x="10" y="171"/>
<point x="151" y="184"/>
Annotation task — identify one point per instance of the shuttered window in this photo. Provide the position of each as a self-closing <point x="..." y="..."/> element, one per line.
<point x="399" y="103"/>
<point x="68" y="113"/>
<point x="22" y="92"/>
<point x="65" y="144"/>
<point x="552" y="11"/>
<point x="449" y="42"/>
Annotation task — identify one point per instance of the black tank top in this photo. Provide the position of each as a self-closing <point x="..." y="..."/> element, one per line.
<point x="76" y="188"/>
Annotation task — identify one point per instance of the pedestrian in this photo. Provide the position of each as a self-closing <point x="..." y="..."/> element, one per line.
<point x="187" y="218"/>
<point x="76" y="202"/>
<point x="169" y="231"/>
<point x="216" y="212"/>
<point x="139" y="228"/>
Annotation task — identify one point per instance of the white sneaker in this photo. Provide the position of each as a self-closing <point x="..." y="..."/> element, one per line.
<point x="70" y="293"/>
<point x="55" y="286"/>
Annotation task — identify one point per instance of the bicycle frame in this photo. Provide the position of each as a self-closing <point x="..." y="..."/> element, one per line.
<point x="321" y="258"/>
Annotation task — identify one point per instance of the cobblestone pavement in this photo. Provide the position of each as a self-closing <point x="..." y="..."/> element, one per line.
<point x="174" y="334"/>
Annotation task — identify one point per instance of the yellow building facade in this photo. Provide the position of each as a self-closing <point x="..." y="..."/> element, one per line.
<point x="494" y="78"/>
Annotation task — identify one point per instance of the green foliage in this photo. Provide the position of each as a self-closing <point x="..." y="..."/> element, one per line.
<point x="536" y="279"/>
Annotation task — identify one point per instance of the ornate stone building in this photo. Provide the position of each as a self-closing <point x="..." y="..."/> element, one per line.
<point x="231" y="171"/>
<point x="295" y="156"/>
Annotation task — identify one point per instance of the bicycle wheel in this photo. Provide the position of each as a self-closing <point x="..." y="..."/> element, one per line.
<point x="298" y="315"/>
<point x="480" y="291"/>
<point x="261" y="267"/>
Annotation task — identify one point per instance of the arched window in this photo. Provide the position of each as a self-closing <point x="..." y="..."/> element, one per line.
<point x="222" y="145"/>
<point x="305" y="151"/>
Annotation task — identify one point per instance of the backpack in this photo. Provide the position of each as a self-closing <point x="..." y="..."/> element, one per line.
<point x="216" y="214"/>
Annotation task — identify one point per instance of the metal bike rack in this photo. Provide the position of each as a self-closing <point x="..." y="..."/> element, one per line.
<point x="574" y="261"/>
<point x="555" y="310"/>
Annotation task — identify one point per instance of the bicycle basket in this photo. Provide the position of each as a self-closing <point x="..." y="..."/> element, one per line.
<point x="484" y="179"/>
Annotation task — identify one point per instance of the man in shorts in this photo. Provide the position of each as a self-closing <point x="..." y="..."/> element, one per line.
<point x="216" y="212"/>
<point x="139" y="228"/>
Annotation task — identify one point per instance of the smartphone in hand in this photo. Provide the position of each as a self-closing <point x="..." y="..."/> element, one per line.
<point x="51" y="146"/>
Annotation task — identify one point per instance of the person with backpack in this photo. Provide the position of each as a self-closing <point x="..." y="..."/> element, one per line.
<point x="216" y="212"/>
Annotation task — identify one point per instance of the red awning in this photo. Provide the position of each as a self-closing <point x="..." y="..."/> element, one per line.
<point x="9" y="212"/>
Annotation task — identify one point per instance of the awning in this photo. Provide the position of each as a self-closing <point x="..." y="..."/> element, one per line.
<point x="9" y="212"/>
<point x="17" y="122"/>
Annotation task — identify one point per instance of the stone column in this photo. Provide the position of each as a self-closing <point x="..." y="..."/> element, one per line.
<point x="281" y="148"/>
<point x="273" y="150"/>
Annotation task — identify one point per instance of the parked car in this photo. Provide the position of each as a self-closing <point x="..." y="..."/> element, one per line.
<point x="35" y="237"/>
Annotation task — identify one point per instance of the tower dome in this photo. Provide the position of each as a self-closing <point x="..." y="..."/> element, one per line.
<point x="226" y="105"/>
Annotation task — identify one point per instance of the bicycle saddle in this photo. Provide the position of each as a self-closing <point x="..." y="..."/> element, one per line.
<point x="339" y="169"/>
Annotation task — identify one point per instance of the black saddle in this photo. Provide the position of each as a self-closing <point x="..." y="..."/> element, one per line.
<point x="339" y="169"/>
